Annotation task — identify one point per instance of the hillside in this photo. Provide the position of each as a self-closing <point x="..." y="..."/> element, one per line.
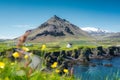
<point x="56" y="29"/>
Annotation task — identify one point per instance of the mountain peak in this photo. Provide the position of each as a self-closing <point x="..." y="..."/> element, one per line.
<point x="57" y="28"/>
<point x="55" y="18"/>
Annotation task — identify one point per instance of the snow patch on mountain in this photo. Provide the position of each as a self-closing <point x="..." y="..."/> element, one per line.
<point x="94" y="30"/>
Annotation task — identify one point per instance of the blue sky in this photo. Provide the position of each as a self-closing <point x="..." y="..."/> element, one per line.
<point x="17" y="16"/>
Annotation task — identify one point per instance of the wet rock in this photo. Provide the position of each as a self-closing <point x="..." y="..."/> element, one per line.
<point x="101" y="52"/>
<point x="99" y="63"/>
<point x="56" y="53"/>
<point x="69" y="53"/>
<point x="86" y="53"/>
<point x="76" y="53"/>
<point x="113" y="50"/>
<point x="93" y="64"/>
<point x="108" y="65"/>
<point x="63" y="53"/>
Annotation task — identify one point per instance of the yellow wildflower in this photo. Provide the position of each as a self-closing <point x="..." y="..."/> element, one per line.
<point x="16" y="55"/>
<point x="26" y="56"/>
<point x="54" y="65"/>
<point x="43" y="47"/>
<point x="65" y="70"/>
<point x="2" y="65"/>
<point x="12" y="63"/>
<point x="57" y="70"/>
<point x="25" y="48"/>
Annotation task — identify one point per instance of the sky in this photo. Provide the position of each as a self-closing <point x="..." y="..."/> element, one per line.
<point x="17" y="16"/>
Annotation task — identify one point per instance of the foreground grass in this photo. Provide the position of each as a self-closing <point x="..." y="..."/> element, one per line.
<point x="13" y="71"/>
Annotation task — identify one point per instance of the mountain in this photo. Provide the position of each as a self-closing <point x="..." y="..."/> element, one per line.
<point x="114" y="35"/>
<point x="1" y="40"/>
<point x="55" y="29"/>
<point x="100" y="34"/>
<point x="95" y="31"/>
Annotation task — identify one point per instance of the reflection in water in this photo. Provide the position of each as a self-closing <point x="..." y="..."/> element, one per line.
<point x="98" y="72"/>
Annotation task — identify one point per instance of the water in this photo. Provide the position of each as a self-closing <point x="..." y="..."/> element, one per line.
<point x="99" y="72"/>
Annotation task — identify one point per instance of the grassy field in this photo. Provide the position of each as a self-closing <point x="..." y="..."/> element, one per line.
<point x="13" y="71"/>
<point x="57" y="45"/>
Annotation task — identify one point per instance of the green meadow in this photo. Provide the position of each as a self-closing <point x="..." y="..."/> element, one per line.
<point x="13" y="71"/>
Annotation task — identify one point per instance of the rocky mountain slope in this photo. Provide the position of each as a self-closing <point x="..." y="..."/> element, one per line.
<point x="56" y="29"/>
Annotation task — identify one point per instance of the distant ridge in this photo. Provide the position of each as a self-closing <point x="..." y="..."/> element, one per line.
<point x="95" y="31"/>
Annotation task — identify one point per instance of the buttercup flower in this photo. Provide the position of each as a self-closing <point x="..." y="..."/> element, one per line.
<point x="12" y="63"/>
<point x="26" y="56"/>
<point x="25" y="48"/>
<point x="57" y="70"/>
<point x="15" y="54"/>
<point x="43" y="47"/>
<point x="65" y="70"/>
<point x="54" y="65"/>
<point x="2" y="65"/>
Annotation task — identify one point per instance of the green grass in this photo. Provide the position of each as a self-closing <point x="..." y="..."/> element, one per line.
<point x="16" y="72"/>
<point x="62" y="44"/>
<point x="50" y="46"/>
<point x="4" y="46"/>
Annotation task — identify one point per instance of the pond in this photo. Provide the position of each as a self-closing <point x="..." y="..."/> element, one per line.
<point x="98" y="72"/>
